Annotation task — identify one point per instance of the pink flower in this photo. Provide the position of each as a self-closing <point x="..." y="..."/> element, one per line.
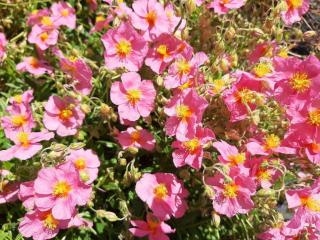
<point x="63" y="14"/>
<point x="34" y="66"/>
<point x="272" y="234"/>
<point x="224" y="6"/>
<point x="63" y="115"/>
<point x="26" y="194"/>
<point x="312" y="151"/>
<point x="185" y="110"/>
<point x="232" y="194"/>
<point x="93" y="5"/>
<point x="80" y="72"/>
<point x="266" y="50"/>
<point x="295" y="10"/>
<point x="139" y="138"/>
<point x="36" y="16"/>
<point x="26" y="145"/>
<point x="134" y="97"/>
<point x="8" y="189"/>
<point x="3" y="43"/>
<point x="86" y="162"/>
<point x="150" y="17"/>
<point x="101" y="23"/>
<point x="43" y="38"/>
<point x="163" y="193"/>
<point x="24" y="98"/>
<point x="124" y="47"/>
<point x="60" y="190"/>
<point x="153" y="227"/>
<point x="189" y="151"/>
<point x="173" y="19"/>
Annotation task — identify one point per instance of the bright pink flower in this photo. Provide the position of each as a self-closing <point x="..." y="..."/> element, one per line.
<point x="150" y="17"/>
<point x="34" y="66"/>
<point x="8" y="189"/>
<point x="301" y="78"/>
<point x="36" y="16"/>
<point x="245" y="92"/>
<point x="63" y="14"/>
<point x="101" y="23"/>
<point x="3" y="43"/>
<point x="124" y="47"/>
<point x="232" y="195"/>
<point x="185" y="111"/>
<point x="295" y="10"/>
<point x="164" y="194"/>
<point x="184" y="70"/>
<point x="272" y="234"/>
<point x="266" y="50"/>
<point x="139" y="138"/>
<point x="63" y="115"/>
<point x="153" y="227"/>
<point x="189" y="151"/>
<point x="43" y="38"/>
<point x="86" y="163"/>
<point x="26" y="145"/>
<point x="312" y="151"/>
<point x="93" y="5"/>
<point x="25" y="98"/>
<point x="26" y="194"/>
<point x="134" y="97"/>
<point x="80" y="72"/>
<point x="224" y="6"/>
<point x="61" y="190"/>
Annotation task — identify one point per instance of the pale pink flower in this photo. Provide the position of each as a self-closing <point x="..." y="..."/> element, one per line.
<point x="189" y="150"/>
<point x="63" y="115"/>
<point x="295" y="10"/>
<point x="3" y="43"/>
<point x="124" y="47"/>
<point x="36" y="16"/>
<point x="61" y="190"/>
<point x="164" y="194"/>
<point x="232" y="195"/>
<point x="101" y="23"/>
<point x="26" y="145"/>
<point x="26" y="194"/>
<point x="185" y="111"/>
<point x="63" y="14"/>
<point x="272" y="234"/>
<point x="153" y="227"/>
<point x="43" y="38"/>
<point x="139" y="138"/>
<point x="134" y="97"/>
<point x="173" y="19"/>
<point x="150" y="17"/>
<point x="8" y="189"/>
<point x="224" y="6"/>
<point x="86" y="162"/>
<point x="25" y="98"/>
<point x="34" y="66"/>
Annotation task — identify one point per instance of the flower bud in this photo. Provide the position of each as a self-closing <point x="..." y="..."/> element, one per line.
<point x="122" y="161"/>
<point x="132" y="150"/>
<point x="84" y="176"/>
<point x="85" y="108"/>
<point x="110" y="216"/>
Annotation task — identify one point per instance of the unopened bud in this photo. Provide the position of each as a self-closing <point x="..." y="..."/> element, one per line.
<point x="85" y="108"/>
<point x="132" y="150"/>
<point x="110" y="216"/>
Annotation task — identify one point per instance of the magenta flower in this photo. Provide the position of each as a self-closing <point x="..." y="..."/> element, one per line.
<point x="150" y="17"/>
<point x="86" y="162"/>
<point x="134" y="97"/>
<point x="8" y="189"/>
<point x="232" y="194"/>
<point x="63" y="115"/>
<point x="61" y="190"/>
<point x="63" y="14"/>
<point x="26" y="145"/>
<point x="262" y="50"/>
<point x="295" y="10"/>
<point x="153" y="227"/>
<point x="185" y="111"/>
<point x="224" y="6"/>
<point x="189" y="151"/>
<point x="26" y="194"/>
<point x="43" y="38"/>
<point x="163" y="193"/>
<point x="3" y="43"/>
<point x="139" y="138"/>
<point x="124" y="47"/>
<point x="34" y="66"/>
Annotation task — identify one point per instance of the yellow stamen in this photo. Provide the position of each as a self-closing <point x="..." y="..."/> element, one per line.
<point x="151" y="18"/>
<point x="44" y="36"/>
<point x="262" y="69"/>
<point x="310" y="203"/>
<point x="100" y="18"/>
<point x="272" y="141"/>
<point x="135" y="136"/>
<point x="245" y="96"/>
<point x="50" y="222"/>
<point x="61" y="189"/>
<point x="192" y="145"/>
<point x="23" y="139"/>
<point x="300" y="82"/>
<point x="237" y="159"/>
<point x="314" y="117"/>
<point x="183" y="112"/>
<point x="160" y="191"/>
<point x="80" y="163"/>
<point x="295" y="3"/>
<point x="65" y="114"/>
<point x="34" y="62"/>
<point x="46" y="21"/>
<point x="263" y="174"/>
<point x="163" y="51"/>
<point x="133" y="96"/>
<point x="124" y="48"/>
<point x="65" y="12"/>
<point x="18" y="120"/>
<point x="230" y="190"/>
<point x="183" y="67"/>
<point x="18" y="99"/>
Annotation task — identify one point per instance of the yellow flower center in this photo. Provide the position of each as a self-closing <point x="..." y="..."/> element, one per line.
<point x="314" y="117"/>
<point x="230" y="190"/>
<point x="263" y="174"/>
<point x="237" y="159"/>
<point x="34" y="62"/>
<point x="44" y="36"/>
<point x="163" y="51"/>
<point x="34" y="12"/>
<point x="183" y="112"/>
<point x="218" y="85"/>
<point x="124" y="48"/>
<point x="315" y="147"/>
<point x="283" y="53"/>
<point x="135" y="136"/>
<point x="100" y="18"/>
<point x="272" y="141"/>
<point x="23" y="139"/>
<point x="160" y="191"/>
<point x="192" y="145"/>
<point x="133" y="96"/>
<point x="50" y="222"/>
<point x="46" y="21"/>
<point x="262" y="69"/>
<point x="80" y="163"/>
<point x="224" y="1"/>
<point x="151" y="18"/>
<point x="18" y="99"/>
<point x="18" y="120"/>
<point x="73" y="59"/>
<point x="295" y="3"/>
<point x="65" y="114"/>
<point x="183" y="67"/>
<point x="61" y="189"/>
<point x="300" y="82"/>
<point x="186" y="85"/>
<point x="310" y="203"/>
<point x="4" y="186"/>
<point x="65" y="12"/>
<point x="245" y="96"/>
